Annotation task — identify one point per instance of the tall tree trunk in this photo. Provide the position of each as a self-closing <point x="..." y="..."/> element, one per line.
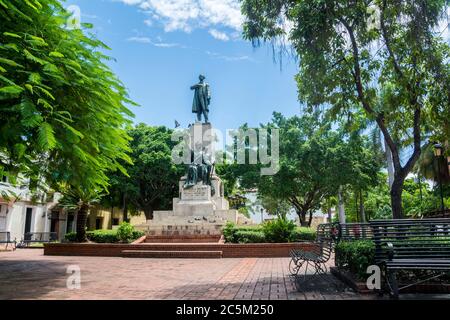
<point x="148" y="210"/>
<point x="362" y="212"/>
<point x="341" y="208"/>
<point x="390" y="165"/>
<point x="125" y="207"/>
<point x="310" y="218"/>
<point x="81" y="222"/>
<point x="112" y="217"/>
<point x="302" y="217"/>
<point x="396" y="197"/>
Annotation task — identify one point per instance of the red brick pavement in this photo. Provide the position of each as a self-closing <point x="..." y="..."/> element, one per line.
<point x="28" y="274"/>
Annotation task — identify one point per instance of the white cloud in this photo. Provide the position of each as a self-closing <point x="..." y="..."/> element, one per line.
<point x="219" y="35"/>
<point x="187" y="15"/>
<point x="216" y="55"/>
<point x="131" y="2"/>
<point x="158" y="44"/>
<point x="140" y="39"/>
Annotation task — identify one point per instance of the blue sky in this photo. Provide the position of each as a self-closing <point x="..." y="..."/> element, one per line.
<point x="161" y="46"/>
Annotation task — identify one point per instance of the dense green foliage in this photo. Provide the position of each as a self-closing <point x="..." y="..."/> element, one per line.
<point x="314" y="161"/>
<point x="103" y="236"/>
<point x="276" y="232"/>
<point x="230" y="230"/>
<point x="249" y="236"/>
<point x="355" y="256"/>
<point x="303" y="234"/>
<point x="70" y="237"/>
<point x="418" y="200"/>
<point x="125" y="233"/>
<point x="279" y="230"/>
<point x="62" y="110"/>
<point x="152" y="180"/>
<point x="383" y="62"/>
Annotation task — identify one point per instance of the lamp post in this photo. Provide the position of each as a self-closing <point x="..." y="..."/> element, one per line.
<point x="438" y="154"/>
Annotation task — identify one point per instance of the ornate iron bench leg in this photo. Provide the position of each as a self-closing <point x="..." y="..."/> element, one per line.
<point x="298" y="277"/>
<point x="392" y="283"/>
<point x="294" y="266"/>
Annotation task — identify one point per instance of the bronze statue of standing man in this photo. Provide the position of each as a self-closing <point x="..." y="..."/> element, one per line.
<point x="202" y="98"/>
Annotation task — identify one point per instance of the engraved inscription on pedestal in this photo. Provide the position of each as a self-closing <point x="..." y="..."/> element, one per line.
<point x="197" y="192"/>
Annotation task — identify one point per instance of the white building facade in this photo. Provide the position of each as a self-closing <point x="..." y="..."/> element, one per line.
<point x="21" y="212"/>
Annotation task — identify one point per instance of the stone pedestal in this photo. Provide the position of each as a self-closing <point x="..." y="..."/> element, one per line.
<point x="200" y="209"/>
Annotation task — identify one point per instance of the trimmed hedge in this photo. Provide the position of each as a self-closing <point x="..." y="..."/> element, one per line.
<point x="125" y="233"/>
<point x="279" y="230"/>
<point x="249" y="236"/>
<point x="70" y="237"/>
<point x="355" y="256"/>
<point x="257" y="234"/>
<point x="304" y="234"/>
<point x="103" y="236"/>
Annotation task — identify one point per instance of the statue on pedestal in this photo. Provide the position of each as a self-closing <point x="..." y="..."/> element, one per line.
<point x="202" y="99"/>
<point x="200" y="170"/>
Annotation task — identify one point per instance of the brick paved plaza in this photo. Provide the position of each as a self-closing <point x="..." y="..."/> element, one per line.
<point x="28" y="274"/>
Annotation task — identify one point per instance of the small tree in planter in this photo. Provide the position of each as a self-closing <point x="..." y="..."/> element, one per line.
<point x="279" y="230"/>
<point x="125" y="232"/>
<point x="80" y="200"/>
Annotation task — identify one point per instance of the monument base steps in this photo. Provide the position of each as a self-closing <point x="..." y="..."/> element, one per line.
<point x="171" y="254"/>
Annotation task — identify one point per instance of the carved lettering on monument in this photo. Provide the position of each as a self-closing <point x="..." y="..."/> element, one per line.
<point x="198" y="192"/>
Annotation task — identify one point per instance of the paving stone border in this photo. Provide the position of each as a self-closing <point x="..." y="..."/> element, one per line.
<point x="229" y="250"/>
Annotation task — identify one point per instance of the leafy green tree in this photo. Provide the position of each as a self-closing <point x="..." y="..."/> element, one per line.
<point x="314" y="161"/>
<point x="383" y="60"/>
<point x="275" y="206"/>
<point x="63" y="111"/>
<point x="80" y="200"/>
<point x="152" y="180"/>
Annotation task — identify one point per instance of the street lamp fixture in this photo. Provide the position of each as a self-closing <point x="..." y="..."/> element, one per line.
<point x="262" y="215"/>
<point x="438" y="153"/>
<point x="438" y="149"/>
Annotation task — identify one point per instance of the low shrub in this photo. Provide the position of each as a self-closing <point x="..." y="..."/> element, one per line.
<point x="355" y="256"/>
<point x="275" y="232"/>
<point x="125" y="232"/>
<point x="304" y="234"/>
<point x="230" y="230"/>
<point x="137" y="234"/>
<point x="102" y="236"/>
<point x="249" y="236"/>
<point x="108" y="236"/>
<point x="279" y="230"/>
<point x="70" y="237"/>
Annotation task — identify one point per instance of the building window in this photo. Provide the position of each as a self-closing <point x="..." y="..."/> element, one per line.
<point x="70" y="220"/>
<point x="115" y="221"/>
<point x="98" y="223"/>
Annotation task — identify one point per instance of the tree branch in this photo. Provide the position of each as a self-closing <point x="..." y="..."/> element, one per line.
<point x="379" y="118"/>
<point x="388" y="42"/>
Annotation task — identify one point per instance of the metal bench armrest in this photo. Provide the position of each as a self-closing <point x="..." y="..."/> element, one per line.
<point x="390" y="250"/>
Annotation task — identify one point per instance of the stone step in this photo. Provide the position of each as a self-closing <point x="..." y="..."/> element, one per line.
<point x="177" y="238"/>
<point x="171" y="254"/>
